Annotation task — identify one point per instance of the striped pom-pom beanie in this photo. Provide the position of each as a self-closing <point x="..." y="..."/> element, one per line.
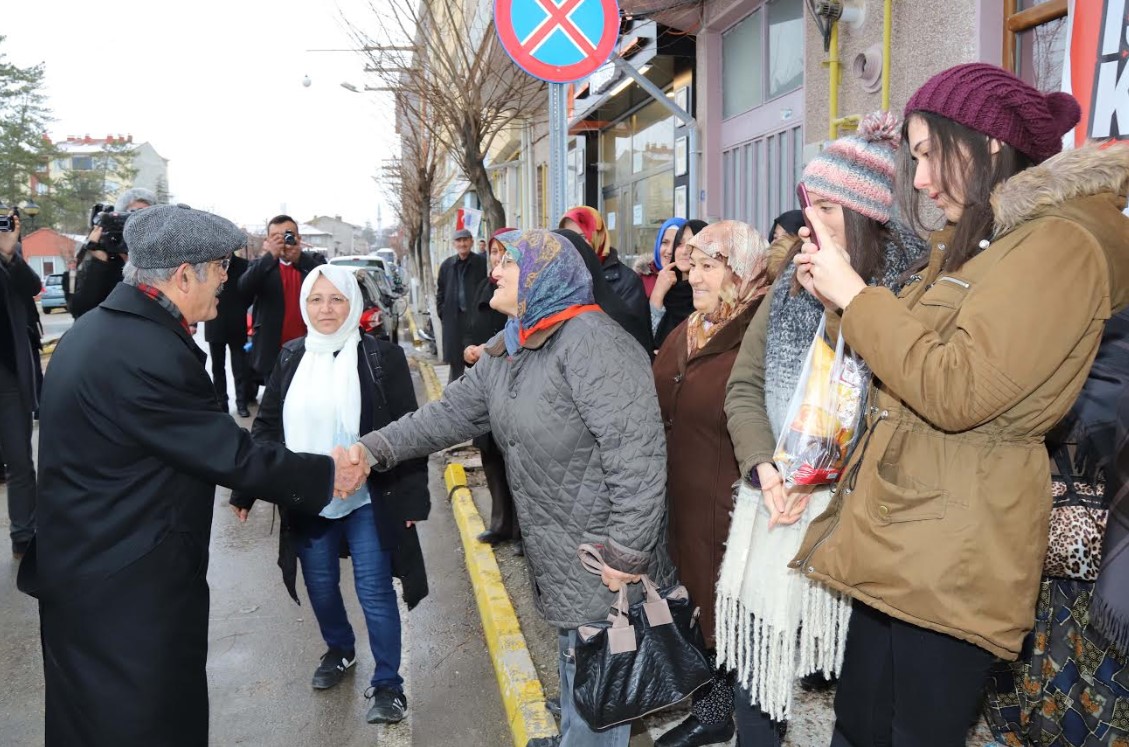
<point x="857" y="171"/>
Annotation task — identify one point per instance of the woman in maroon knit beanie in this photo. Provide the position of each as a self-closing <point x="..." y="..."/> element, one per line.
<point x="938" y="526"/>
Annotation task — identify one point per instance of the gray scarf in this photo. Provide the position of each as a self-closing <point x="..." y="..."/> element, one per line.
<point x="794" y="319"/>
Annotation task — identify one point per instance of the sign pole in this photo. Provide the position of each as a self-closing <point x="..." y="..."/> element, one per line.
<point x="560" y="42"/>
<point x="558" y="150"/>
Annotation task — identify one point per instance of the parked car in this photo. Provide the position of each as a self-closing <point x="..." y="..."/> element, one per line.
<point x="53" y="297"/>
<point x="390" y="270"/>
<point x="382" y="313"/>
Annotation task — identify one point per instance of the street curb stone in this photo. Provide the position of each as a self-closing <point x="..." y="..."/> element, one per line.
<point x="522" y="694"/>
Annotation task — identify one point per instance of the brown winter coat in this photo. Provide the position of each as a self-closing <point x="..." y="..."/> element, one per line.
<point x="701" y="467"/>
<point x="941" y="517"/>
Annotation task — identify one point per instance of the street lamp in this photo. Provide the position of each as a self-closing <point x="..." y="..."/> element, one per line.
<point x="30" y="209"/>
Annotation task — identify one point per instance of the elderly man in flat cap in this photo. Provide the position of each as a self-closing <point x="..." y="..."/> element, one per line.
<point x="457" y="283"/>
<point x="134" y="443"/>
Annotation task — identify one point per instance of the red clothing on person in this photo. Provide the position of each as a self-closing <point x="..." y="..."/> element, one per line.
<point x="293" y="325"/>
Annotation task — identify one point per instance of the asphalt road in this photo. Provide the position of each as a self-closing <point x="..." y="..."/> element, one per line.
<point x="264" y="648"/>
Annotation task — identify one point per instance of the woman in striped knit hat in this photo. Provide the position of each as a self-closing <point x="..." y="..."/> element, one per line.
<point x="773" y="625"/>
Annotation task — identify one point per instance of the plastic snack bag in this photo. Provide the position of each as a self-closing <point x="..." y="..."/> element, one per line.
<point x="823" y="414"/>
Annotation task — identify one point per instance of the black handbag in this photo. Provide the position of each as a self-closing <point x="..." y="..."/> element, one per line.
<point x="645" y="657"/>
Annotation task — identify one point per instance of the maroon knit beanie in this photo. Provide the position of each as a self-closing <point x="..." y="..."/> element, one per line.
<point x="993" y="101"/>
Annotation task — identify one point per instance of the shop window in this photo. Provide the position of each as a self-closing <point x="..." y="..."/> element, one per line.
<point x="785" y="40"/>
<point x="653" y="143"/>
<point x="615" y="144"/>
<point x="762" y="56"/>
<point x="1035" y="41"/>
<point x="741" y="53"/>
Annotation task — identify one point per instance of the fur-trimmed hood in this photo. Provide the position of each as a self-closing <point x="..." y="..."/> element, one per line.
<point x="1089" y="170"/>
<point x="1087" y="186"/>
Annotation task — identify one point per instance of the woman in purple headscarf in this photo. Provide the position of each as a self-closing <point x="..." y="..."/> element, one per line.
<point x="570" y="400"/>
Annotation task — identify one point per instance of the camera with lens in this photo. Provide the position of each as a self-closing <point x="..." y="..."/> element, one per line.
<point x="113" y="227"/>
<point x="8" y="222"/>
<point x="289" y="238"/>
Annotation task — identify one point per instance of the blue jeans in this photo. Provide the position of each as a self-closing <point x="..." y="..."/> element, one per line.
<point x="574" y="731"/>
<point x="318" y="543"/>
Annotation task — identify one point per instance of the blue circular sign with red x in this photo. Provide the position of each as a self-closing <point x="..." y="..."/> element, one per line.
<point x="559" y="41"/>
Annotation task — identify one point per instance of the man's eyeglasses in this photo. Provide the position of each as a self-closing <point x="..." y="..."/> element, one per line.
<point x="224" y="263"/>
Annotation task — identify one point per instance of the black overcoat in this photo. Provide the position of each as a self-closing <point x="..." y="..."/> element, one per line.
<point x="230" y="324"/>
<point x="261" y="285"/>
<point x="133" y="444"/>
<point x="19" y="285"/>
<point x="456" y="325"/>
<point x="398" y="496"/>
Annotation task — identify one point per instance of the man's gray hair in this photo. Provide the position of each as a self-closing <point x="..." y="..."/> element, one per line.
<point x="133" y="195"/>
<point x="156" y="276"/>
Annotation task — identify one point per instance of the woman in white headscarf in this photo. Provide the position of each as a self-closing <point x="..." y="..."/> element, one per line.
<point x="326" y="389"/>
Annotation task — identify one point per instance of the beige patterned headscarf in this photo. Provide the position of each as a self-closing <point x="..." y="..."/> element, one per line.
<point x="745" y="253"/>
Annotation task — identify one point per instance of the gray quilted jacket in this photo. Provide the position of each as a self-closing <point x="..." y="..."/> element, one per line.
<point x="576" y="413"/>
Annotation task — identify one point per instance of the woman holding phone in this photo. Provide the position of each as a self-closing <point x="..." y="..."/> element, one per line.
<point x="938" y="526"/>
<point x="851" y="184"/>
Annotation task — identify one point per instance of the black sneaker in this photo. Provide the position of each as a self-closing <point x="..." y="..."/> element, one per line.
<point x="332" y="669"/>
<point x="388" y="706"/>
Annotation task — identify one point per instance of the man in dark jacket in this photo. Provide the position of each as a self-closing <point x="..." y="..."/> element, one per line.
<point x="272" y="284"/>
<point x="100" y="263"/>
<point x="135" y="444"/>
<point x="454" y="298"/>
<point x="228" y="331"/>
<point x="18" y="386"/>
<point x="626" y="283"/>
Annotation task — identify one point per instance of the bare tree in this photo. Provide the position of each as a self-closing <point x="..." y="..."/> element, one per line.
<point x="410" y="182"/>
<point x="443" y="60"/>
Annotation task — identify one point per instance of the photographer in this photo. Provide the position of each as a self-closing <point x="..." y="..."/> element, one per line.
<point x="101" y="259"/>
<point x="18" y="387"/>
<point x="272" y="284"/>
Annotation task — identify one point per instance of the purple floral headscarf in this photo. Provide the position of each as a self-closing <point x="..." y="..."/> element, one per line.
<point x="552" y="278"/>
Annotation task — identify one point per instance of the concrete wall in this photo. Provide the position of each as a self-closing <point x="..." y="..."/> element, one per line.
<point x="927" y="38"/>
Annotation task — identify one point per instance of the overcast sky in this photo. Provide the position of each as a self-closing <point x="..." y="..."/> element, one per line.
<point x="216" y="87"/>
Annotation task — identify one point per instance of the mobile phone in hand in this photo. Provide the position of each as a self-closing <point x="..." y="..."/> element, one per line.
<point x="805" y="203"/>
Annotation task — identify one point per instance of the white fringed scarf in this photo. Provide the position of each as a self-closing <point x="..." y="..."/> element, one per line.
<point x="324" y="397"/>
<point x="774" y="625"/>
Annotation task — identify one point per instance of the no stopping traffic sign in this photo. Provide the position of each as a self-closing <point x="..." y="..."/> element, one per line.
<point x="559" y="41"/>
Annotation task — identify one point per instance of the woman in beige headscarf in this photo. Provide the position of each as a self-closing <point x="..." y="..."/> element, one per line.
<point x="728" y="277"/>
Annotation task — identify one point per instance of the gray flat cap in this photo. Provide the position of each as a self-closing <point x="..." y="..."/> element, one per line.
<point x="171" y="235"/>
<point x="462" y="233"/>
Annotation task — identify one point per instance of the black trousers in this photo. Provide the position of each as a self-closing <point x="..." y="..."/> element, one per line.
<point x="240" y="371"/>
<point x="503" y="520"/>
<point x="754" y="727"/>
<point x="15" y="446"/>
<point x="906" y="686"/>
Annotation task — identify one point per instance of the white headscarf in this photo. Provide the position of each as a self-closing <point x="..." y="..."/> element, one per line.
<point x="325" y="393"/>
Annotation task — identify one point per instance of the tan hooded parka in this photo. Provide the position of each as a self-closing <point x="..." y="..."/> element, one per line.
<point x="941" y="517"/>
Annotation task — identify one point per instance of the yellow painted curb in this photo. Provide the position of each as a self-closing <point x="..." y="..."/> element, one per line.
<point x="416" y="339"/>
<point x="431" y="383"/>
<point x="522" y="695"/>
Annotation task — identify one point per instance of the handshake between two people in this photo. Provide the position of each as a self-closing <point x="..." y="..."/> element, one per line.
<point x="350" y="470"/>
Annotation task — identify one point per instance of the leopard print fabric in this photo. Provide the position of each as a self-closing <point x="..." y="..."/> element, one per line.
<point x="1077" y="528"/>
